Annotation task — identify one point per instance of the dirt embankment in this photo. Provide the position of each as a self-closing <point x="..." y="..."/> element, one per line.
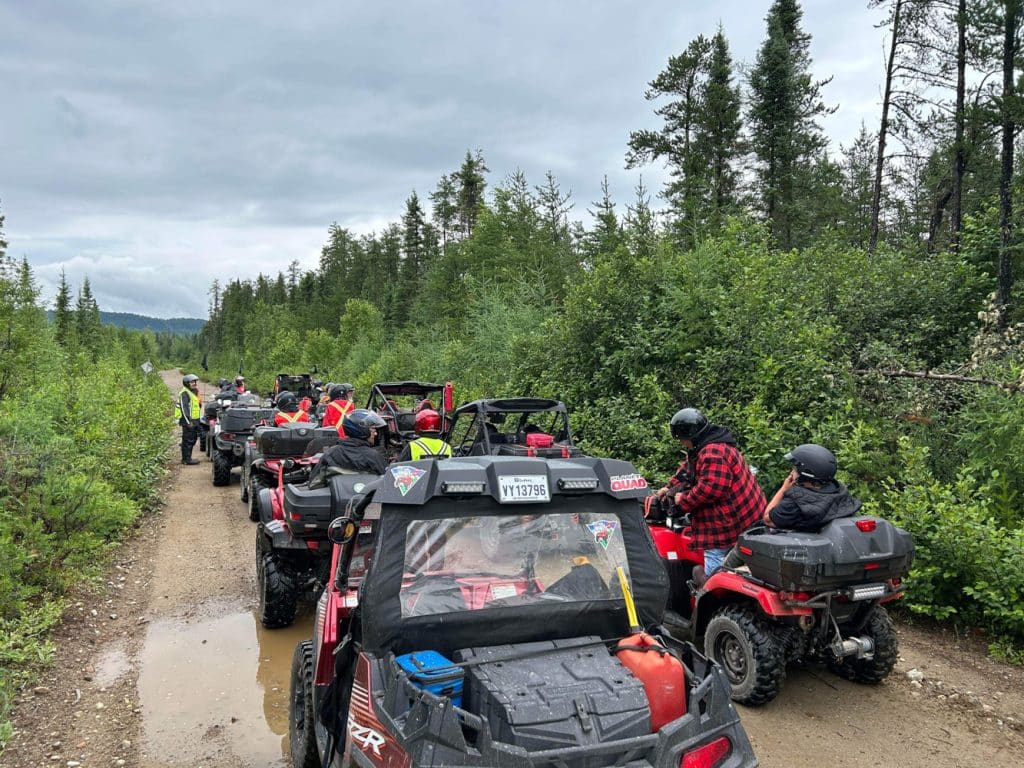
<point x="166" y="667"/>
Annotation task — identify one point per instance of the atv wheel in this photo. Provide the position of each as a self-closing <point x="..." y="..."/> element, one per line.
<point x="221" y="469"/>
<point x="254" y="500"/>
<point x="302" y="721"/>
<point x="279" y="596"/>
<point x="748" y="652"/>
<point x="874" y="670"/>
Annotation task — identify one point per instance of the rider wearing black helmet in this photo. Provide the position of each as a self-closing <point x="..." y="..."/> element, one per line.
<point x="188" y="409"/>
<point x="714" y="485"/>
<point x="810" y="496"/>
<point x="356" y="453"/>
<point x="341" y="404"/>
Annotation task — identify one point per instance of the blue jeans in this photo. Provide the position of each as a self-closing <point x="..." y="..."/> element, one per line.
<point x="713" y="559"/>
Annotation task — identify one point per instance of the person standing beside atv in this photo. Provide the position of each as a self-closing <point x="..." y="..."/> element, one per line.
<point x="356" y="453"/>
<point x="340" y="405"/>
<point x="810" y="496"/>
<point x="428" y="443"/>
<point x="188" y="409"/>
<point x="240" y="384"/>
<point x="714" y="485"/>
<point x="288" y="411"/>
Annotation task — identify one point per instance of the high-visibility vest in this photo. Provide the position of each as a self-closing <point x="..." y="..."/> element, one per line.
<point x="344" y="408"/>
<point x="195" y="408"/>
<point x="291" y="418"/>
<point x="429" y="448"/>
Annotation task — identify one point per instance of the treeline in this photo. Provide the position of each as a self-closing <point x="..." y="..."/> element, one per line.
<point x="83" y="436"/>
<point x="763" y="297"/>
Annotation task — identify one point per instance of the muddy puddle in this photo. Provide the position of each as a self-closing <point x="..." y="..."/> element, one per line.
<point x="214" y="690"/>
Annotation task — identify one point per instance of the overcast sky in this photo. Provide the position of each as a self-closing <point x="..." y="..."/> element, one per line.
<point x="155" y="146"/>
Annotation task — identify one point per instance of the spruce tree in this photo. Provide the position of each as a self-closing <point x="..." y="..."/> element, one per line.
<point x="699" y="139"/>
<point x="470" y="185"/>
<point x="785" y="104"/>
<point x="63" y="319"/>
<point x="716" y="142"/>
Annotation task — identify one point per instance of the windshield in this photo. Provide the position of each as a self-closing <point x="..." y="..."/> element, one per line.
<point x="478" y="563"/>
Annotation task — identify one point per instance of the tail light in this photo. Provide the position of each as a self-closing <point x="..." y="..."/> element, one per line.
<point x="867" y="525"/>
<point x="746" y="551"/>
<point x="228" y="435"/>
<point x="707" y="756"/>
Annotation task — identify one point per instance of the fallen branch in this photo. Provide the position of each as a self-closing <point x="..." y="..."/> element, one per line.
<point x="955" y="377"/>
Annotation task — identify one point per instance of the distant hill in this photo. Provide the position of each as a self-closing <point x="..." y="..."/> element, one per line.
<point x="178" y="325"/>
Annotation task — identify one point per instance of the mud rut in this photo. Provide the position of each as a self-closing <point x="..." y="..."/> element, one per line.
<point x="167" y="667"/>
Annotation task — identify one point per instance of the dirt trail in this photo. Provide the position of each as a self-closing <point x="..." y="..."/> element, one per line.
<point x="168" y="668"/>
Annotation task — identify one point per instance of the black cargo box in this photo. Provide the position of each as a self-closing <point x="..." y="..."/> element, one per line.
<point x="562" y="693"/>
<point x="556" y="451"/>
<point x="244" y="419"/>
<point x="840" y="554"/>
<point x="310" y="511"/>
<point x="286" y="440"/>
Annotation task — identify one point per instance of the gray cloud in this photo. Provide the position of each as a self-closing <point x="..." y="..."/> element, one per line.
<point x="157" y="146"/>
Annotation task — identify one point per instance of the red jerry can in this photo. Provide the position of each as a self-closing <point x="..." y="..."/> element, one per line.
<point x="660" y="672"/>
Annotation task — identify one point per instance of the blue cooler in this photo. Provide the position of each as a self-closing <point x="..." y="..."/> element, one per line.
<point x="433" y="672"/>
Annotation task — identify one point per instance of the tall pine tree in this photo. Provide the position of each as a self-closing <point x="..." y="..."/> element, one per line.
<point x="785" y="104"/>
<point x="63" y="318"/>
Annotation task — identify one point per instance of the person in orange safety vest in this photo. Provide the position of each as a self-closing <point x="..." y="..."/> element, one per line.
<point x="341" y="404"/>
<point x="288" y="411"/>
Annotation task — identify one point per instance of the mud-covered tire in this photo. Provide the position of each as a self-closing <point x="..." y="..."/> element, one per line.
<point x="279" y="596"/>
<point x="301" y="716"/>
<point x="221" y="469"/>
<point x="749" y="653"/>
<point x="874" y="670"/>
<point x="254" y="499"/>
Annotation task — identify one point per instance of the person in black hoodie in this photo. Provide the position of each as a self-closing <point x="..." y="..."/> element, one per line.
<point x="356" y="453"/>
<point x="810" y="496"/>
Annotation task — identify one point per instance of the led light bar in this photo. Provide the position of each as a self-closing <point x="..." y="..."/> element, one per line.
<point x="868" y="592"/>
<point x="460" y="487"/>
<point x="577" y="484"/>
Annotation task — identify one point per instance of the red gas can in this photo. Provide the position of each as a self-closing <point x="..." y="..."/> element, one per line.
<point x="660" y="672"/>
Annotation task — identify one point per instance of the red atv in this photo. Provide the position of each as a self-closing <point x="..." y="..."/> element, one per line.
<point x="278" y="455"/>
<point x="292" y="550"/>
<point x="426" y="652"/>
<point x="798" y="596"/>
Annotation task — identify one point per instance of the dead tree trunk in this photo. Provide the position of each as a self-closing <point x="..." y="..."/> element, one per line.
<point x="1008" y="109"/>
<point x="883" y="130"/>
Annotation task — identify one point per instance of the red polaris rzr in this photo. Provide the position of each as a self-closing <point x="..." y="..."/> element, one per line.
<point x="427" y="652"/>
<point x="813" y="596"/>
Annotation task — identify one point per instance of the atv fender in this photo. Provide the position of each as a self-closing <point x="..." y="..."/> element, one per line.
<point x="280" y="536"/>
<point x="725" y="587"/>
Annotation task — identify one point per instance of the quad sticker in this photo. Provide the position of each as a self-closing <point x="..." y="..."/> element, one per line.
<point x="627" y="482"/>
<point x="603" y="530"/>
<point x="406" y="478"/>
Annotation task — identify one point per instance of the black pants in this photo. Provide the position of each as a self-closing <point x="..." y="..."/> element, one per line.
<point x="189" y="436"/>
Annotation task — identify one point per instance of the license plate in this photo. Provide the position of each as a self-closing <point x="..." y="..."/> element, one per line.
<point x="523" y="488"/>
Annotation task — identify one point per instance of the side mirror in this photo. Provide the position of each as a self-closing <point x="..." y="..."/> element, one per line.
<point x="342" y="530"/>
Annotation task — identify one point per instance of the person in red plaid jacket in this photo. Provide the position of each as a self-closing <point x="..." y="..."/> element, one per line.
<point x="715" y="486"/>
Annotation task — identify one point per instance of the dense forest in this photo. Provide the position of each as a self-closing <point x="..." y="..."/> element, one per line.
<point x="863" y="298"/>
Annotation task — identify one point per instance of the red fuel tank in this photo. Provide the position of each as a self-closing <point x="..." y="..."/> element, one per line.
<point x="660" y="672"/>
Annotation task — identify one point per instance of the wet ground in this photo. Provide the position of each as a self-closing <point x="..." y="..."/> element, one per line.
<point x="167" y="667"/>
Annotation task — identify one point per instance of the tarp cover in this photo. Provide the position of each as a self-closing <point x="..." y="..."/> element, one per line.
<point x="437" y="552"/>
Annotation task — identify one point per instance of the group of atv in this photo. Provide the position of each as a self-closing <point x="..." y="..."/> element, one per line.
<point x="522" y="604"/>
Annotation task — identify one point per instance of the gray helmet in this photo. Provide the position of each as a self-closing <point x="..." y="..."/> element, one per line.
<point x="358" y="423"/>
<point x="813" y="462"/>
<point x="287" y="401"/>
<point x="346" y="388"/>
<point x="688" y="424"/>
<point x="188" y="378"/>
